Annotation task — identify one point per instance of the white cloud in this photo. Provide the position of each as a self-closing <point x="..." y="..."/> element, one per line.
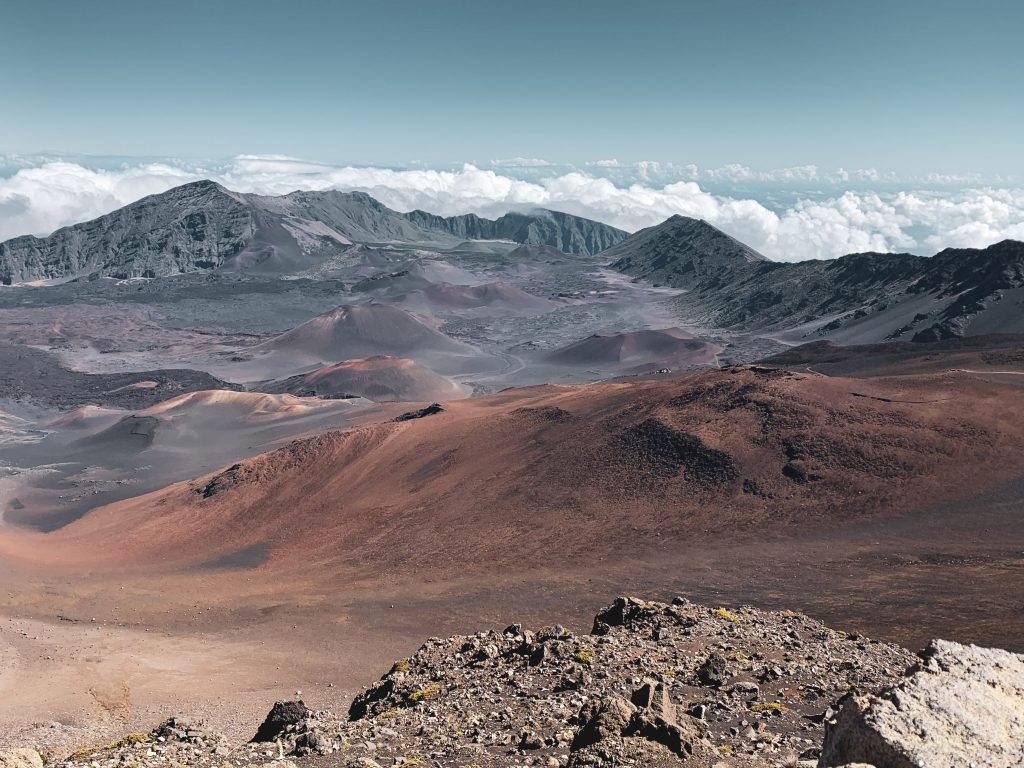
<point x="521" y="162"/>
<point x="730" y="172"/>
<point x="41" y="198"/>
<point x="49" y="194"/>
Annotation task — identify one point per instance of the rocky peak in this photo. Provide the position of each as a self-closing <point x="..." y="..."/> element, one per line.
<point x="682" y="251"/>
<point x="192" y="227"/>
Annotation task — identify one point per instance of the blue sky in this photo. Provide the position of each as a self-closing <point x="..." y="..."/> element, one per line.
<point x="906" y="87"/>
<point x="807" y="128"/>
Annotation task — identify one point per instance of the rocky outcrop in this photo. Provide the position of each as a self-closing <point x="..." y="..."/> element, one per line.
<point x="613" y="729"/>
<point x="284" y="714"/>
<point x="20" y="758"/>
<point x="629" y="693"/>
<point x="962" y="705"/>
<point x="653" y="685"/>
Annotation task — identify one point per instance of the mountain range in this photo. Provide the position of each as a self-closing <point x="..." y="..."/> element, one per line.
<point x="726" y="285"/>
<point x="859" y="298"/>
<point x="203" y="226"/>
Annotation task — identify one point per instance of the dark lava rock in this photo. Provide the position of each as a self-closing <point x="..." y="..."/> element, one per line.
<point x="36" y="375"/>
<point x="664" y="451"/>
<point x="283" y="715"/>
<point x="222" y="481"/>
<point x="713" y="671"/>
<point x="430" y="410"/>
<point x="361" y="704"/>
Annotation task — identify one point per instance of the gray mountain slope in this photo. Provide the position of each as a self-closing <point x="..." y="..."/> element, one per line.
<point x="361" y="218"/>
<point x="567" y="233"/>
<point x="189" y="228"/>
<point x="203" y="226"/>
<point x="855" y="299"/>
<point x="681" y="252"/>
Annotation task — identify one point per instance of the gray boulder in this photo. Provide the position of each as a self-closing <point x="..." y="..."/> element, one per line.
<point x="20" y="758"/>
<point x="961" y="706"/>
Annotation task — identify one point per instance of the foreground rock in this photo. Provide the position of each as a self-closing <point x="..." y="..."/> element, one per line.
<point x="20" y="758"/>
<point x="653" y="685"/>
<point x="962" y="705"/>
<point x="283" y="715"/>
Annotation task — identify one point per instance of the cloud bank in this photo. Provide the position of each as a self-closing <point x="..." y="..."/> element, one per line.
<point x="39" y="195"/>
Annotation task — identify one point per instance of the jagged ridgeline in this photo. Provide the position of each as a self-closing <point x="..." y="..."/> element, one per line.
<point x="859" y="298"/>
<point x="203" y="226"/>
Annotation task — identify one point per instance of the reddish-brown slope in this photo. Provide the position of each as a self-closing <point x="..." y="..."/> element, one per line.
<point x="551" y="476"/>
<point x="378" y="378"/>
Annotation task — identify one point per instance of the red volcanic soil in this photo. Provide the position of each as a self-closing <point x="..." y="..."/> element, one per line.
<point x="378" y="378"/>
<point x="562" y="477"/>
<point x="889" y="507"/>
<point x="668" y="348"/>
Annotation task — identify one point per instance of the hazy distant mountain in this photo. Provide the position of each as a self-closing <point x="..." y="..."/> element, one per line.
<point x="569" y="234"/>
<point x="203" y="226"/>
<point x="859" y="298"/>
<point x="680" y="252"/>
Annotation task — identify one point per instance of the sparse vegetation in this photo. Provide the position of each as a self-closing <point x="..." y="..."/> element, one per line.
<point x="585" y="655"/>
<point x="769" y="708"/>
<point x="399" y="666"/>
<point x="129" y="740"/>
<point x="722" y="613"/>
<point x="428" y="692"/>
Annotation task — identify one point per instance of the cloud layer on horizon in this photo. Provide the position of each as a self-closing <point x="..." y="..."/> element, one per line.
<point x="42" y="194"/>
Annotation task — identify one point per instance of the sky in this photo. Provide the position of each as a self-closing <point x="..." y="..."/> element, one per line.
<point x="764" y="107"/>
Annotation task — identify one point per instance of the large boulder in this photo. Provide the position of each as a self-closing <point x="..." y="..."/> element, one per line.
<point x="20" y="758"/>
<point x="961" y="705"/>
<point x="282" y="716"/>
<point x="644" y="731"/>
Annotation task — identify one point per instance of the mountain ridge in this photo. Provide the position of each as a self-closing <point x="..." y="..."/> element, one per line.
<point x="541" y="227"/>
<point x="203" y="226"/>
<point x="857" y="298"/>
